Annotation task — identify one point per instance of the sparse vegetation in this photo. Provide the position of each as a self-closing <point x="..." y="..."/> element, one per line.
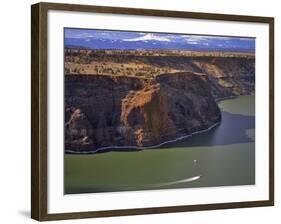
<point x="144" y="63"/>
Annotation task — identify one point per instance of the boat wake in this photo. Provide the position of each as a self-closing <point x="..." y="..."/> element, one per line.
<point x="191" y="179"/>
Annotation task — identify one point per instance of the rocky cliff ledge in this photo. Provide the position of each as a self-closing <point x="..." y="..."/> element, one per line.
<point x="104" y="111"/>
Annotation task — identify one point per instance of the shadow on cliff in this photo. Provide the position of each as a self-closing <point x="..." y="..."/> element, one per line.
<point x="231" y="130"/>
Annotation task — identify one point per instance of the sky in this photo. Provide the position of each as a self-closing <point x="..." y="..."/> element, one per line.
<point x="105" y="39"/>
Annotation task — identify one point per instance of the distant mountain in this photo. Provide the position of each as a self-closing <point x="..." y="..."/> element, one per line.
<point x="151" y="42"/>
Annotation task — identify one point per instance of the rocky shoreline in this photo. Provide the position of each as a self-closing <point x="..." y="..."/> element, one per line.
<point x="136" y="148"/>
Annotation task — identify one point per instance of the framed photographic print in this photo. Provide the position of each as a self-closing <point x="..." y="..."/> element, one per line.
<point x="138" y="111"/>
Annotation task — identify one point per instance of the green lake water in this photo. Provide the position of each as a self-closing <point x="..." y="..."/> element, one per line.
<point x="223" y="156"/>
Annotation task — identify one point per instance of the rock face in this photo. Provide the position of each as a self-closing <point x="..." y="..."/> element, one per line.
<point x="144" y="116"/>
<point x="228" y="75"/>
<point x="104" y="111"/>
<point x="191" y="105"/>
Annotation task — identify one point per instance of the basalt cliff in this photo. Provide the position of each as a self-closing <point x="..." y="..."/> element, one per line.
<point x="106" y="111"/>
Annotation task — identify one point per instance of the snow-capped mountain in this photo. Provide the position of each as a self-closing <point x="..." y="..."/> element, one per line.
<point x="149" y="37"/>
<point x="133" y="40"/>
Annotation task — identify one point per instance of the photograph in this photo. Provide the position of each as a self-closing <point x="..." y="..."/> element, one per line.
<point x="139" y="111"/>
<point x="153" y="111"/>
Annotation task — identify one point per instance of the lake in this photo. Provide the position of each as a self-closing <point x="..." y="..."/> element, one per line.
<point x="223" y="156"/>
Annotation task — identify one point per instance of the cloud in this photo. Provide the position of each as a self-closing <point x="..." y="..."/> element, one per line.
<point x="148" y="37"/>
<point x="193" y="42"/>
<point x="195" y="38"/>
<point x="79" y="35"/>
<point x="89" y="34"/>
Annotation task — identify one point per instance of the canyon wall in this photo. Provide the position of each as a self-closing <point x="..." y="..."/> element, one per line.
<point x="103" y="111"/>
<point x="141" y="101"/>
